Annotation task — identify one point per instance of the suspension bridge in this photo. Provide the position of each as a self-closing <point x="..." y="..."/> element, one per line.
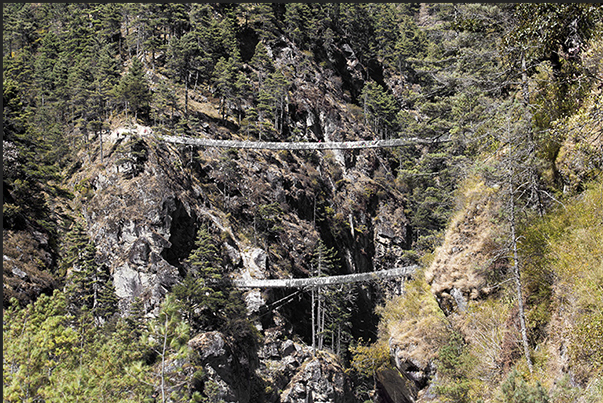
<point x="309" y="282"/>
<point x="278" y="145"/>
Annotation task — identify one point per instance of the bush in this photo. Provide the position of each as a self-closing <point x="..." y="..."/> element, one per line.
<point x="516" y="390"/>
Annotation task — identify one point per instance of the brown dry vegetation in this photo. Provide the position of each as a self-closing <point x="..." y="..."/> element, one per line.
<point x="470" y="249"/>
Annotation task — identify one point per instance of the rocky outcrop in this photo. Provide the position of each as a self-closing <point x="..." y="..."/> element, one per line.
<point x="27" y="261"/>
<point x="318" y="380"/>
<point x="229" y="373"/>
<point x="391" y="237"/>
<point x="142" y="219"/>
<point x="286" y="371"/>
<point x="292" y="373"/>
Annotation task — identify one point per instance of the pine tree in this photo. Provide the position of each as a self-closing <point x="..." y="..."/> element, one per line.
<point x="204" y="291"/>
<point x="275" y="98"/>
<point x="167" y="336"/>
<point x="224" y="77"/>
<point x="380" y="109"/>
<point x="38" y="340"/>
<point x="89" y="286"/>
<point x="134" y="90"/>
<point x="261" y="17"/>
<point x="339" y="305"/>
<point x="184" y="54"/>
<point x="262" y="62"/>
<point x="515" y="390"/>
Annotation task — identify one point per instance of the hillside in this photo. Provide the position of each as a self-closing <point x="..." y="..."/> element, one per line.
<point x="158" y="156"/>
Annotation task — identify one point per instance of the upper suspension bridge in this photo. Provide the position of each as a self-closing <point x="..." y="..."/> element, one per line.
<point x="277" y="145"/>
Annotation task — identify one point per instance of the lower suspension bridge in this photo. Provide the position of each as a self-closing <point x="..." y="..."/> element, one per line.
<point x="303" y="283"/>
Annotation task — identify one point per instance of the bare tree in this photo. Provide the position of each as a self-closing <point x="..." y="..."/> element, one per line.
<point x="516" y="173"/>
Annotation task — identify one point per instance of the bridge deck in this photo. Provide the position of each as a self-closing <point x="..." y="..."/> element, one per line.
<point x="328" y="280"/>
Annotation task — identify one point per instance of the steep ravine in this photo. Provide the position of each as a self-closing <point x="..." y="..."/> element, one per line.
<point x="143" y="214"/>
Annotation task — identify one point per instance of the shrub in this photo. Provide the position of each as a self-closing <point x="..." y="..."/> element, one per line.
<point x="516" y="390"/>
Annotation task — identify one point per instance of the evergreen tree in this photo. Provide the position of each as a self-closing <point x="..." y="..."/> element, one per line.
<point x="204" y="291"/>
<point x="262" y="62"/>
<point x="243" y="91"/>
<point x="380" y="109"/>
<point x="261" y="17"/>
<point x="38" y="340"/>
<point x="225" y="73"/>
<point x="89" y="286"/>
<point x="168" y="336"/>
<point x="134" y="91"/>
<point x="275" y="98"/>
<point x="183" y="56"/>
<point x="299" y="24"/>
<point x="29" y="171"/>
<point x="339" y="306"/>
<point x="515" y="390"/>
<point x="410" y="44"/>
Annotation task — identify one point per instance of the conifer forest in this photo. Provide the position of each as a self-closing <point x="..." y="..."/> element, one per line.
<point x="302" y="202"/>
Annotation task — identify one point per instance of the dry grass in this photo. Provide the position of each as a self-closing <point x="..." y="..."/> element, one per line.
<point x="469" y="245"/>
<point x="414" y="323"/>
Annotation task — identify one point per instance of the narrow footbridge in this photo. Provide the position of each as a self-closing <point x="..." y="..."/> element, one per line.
<point x="274" y="145"/>
<point x="325" y="281"/>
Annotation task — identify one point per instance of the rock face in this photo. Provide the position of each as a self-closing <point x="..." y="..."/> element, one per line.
<point x="318" y="380"/>
<point x="228" y="371"/>
<point x="391" y="237"/>
<point x="286" y="370"/>
<point x="143" y="221"/>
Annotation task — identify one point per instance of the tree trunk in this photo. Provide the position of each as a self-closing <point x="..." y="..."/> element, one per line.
<point x="186" y="97"/>
<point x="100" y="136"/>
<point x="313" y="321"/>
<point x="524" y="80"/>
<point x="163" y="352"/>
<point x="517" y="276"/>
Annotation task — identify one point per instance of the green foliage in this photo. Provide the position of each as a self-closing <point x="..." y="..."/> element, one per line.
<point x="202" y="292"/>
<point x="48" y="356"/>
<point x="208" y="300"/>
<point x="454" y="364"/>
<point x="324" y="260"/>
<point x="267" y="220"/>
<point x="89" y="285"/>
<point x="134" y="91"/>
<point x="516" y="390"/>
<point x="380" y="109"/>
<point x="224" y="77"/>
<point x="368" y="359"/>
<point x="28" y="172"/>
<point x="167" y="337"/>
